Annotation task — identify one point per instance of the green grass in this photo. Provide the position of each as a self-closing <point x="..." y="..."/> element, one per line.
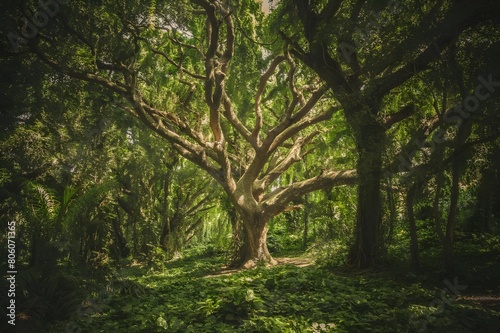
<point x="186" y="296"/>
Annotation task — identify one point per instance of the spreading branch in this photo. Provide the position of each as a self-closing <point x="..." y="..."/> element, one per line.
<point x="278" y="199"/>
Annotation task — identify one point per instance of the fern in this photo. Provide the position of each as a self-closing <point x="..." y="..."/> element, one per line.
<point x="45" y="206"/>
<point x="59" y="217"/>
<point x="86" y="202"/>
<point x="45" y="297"/>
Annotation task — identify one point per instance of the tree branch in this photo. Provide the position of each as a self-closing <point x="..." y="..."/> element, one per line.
<point x="294" y="155"/>
<point x="277" y="200"/>
<point x="463" y="15"/>
<point x="179" y="66"/>
<point x="402" y="114"/>
<point x="263" y="82"/>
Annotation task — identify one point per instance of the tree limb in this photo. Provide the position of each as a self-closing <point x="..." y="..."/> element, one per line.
<point x="278" y="199"/>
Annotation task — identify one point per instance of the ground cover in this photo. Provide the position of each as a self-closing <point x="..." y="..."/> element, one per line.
<point x="197" y="294"/>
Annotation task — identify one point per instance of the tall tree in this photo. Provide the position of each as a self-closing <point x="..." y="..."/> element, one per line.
<point x="365" y="51"/>
<point x="168" y="64"/>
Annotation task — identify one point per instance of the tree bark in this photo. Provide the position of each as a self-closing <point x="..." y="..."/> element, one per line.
<point x="237" y="231"/>
<point x="367" y="247"/>
<point x="449" y="248"/>
<point x="435" y="205"/>
<point x="121" y="241"/>
<point x="254" y="247"/>
<point x="392" y="215"/>
<point x="458" y="162"/>
<point x="414" y="252"/>
<point x="485" y="202"/>
<point x="306" y="221"/>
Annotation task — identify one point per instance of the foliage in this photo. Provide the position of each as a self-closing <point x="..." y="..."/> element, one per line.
<point x="45" y="296"/>
<point x="185" y="298"/>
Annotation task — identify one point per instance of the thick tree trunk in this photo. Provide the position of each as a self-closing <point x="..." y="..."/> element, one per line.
<point x="367" y="247"/>
<point x="254" y="247"/>
<point x="237" y="231"/>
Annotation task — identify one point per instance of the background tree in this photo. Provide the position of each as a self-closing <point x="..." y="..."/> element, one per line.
<point x="365" y="51"/>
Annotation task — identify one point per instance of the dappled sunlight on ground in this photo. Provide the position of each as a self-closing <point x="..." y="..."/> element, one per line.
<point x="295" y="261"/>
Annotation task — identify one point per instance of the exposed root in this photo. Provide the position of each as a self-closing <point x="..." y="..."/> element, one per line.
<point x="252" y="263"/>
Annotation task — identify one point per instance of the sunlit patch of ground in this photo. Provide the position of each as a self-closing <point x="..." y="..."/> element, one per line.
<point x="491" y="302"/>
<point x="295" y="261"/>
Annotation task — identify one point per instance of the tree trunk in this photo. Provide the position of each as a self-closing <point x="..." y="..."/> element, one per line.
<point x="367" y="247"/>
<point x="306" y="221"/>
<point x="485" y="202"/>
<point x="437" y="196"/>
<point x="392" y="215"/>
<point x="449" y="251"/>
<point x="135" y="238"/>
<point x="414" y="252"/>
<point x="254" y="247"/>
<point x="457" y="167"/>
<point x="171" y="237"/>
<point x="121" y="242"/>
<point x="237" y="233"/>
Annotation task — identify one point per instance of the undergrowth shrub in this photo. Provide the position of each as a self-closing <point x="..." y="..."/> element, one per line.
<point x="329" y="254"/>
<point x="45" y="297"/>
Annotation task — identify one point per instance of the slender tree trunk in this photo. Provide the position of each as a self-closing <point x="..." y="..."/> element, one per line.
<point x="171" y="236"/>
<point x="135" y="238"/>
<point x="449" y="251"/>
<point x="306" y="221"/>
<point x="487" y="212"/>
<point x="118" y="233"/>
<point x="392" y="215"/>
<point x="437" y="197"/>
<point x="165" y="236"/>
<point x="84" y="248"/>
<point x="165" y="214"/>
<point x="414" y="252"/>
<point x="458" y="163"/>
<point x="485" y="201"/>
<point x="464" y="131"/>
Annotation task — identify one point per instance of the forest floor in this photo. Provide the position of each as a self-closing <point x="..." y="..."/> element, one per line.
<point x="297" y="261"/>
<point x="198" y="294"/>
<point x="491" y="302"/>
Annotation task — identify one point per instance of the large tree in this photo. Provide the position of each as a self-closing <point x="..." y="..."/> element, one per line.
<point x="367" y="52"/>
<point x="194" y="74"/>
